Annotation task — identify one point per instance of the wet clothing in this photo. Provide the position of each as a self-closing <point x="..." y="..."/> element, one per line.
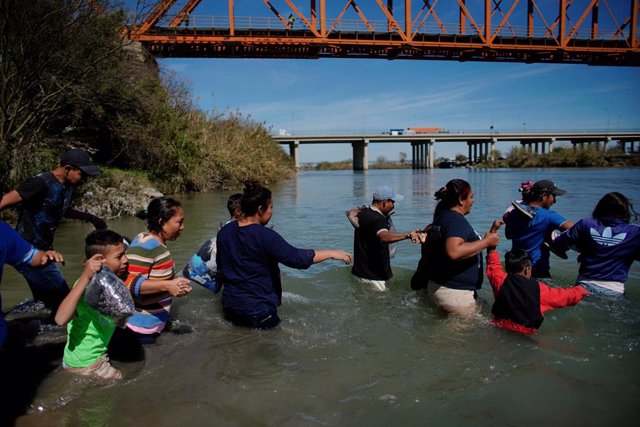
<point x="371" y="255"/>
<point x="435" y="264"/>
<point x="248" y="270"/>
<point x="607" y="249"/>
<point x="101" y="368"/>
<point x="530" y="234"/>
<point x="88" y="335"/>
<point x="520" y="303"/>
<point x="47" y="284"/>
<point x="44" y="203"/>
<point x="148" y="259"/>
<point x="45" y="200"/>
<point x="15" y="251"/>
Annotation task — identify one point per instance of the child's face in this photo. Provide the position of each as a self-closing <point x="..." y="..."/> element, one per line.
<point x="116" y="259"/>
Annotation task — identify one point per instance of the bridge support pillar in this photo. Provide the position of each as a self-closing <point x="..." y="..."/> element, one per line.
<point x="493" y="149"/>
<point x="551" y="144"/>
<point x="422" y="155"/>
<point x="469" y="159"/>
<point x="360" y="155"/>
<point x="431" y="153"/>
<point x="294" y="152"/>
<point x="415" y="160"/>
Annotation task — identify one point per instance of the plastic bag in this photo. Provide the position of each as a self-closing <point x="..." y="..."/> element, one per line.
<point x="107" y="294"/>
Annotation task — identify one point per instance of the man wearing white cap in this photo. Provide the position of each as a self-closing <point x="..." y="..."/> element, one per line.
<point x="373" y="234"/>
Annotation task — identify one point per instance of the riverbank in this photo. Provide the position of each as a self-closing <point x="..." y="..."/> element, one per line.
<point x="517" y="158"/>
<point x="83" y="86"/>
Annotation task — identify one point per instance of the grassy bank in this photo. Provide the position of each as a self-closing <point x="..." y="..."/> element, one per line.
<point x="68" y="79"/>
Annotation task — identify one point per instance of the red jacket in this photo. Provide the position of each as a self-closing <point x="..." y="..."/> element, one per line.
<point x="550" y="298"/>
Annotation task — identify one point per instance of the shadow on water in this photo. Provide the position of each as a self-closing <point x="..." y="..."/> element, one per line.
<point x="30" y="365"/>
<point x="31" y="353"/>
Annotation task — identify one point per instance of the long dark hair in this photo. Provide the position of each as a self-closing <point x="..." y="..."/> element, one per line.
<point x="159" y="211"/>
<point x="614" y="205"/>
<point x="253" y="197"/>
<point x="449" y="195"/>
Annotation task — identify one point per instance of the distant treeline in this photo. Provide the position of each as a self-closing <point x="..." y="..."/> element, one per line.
<point x="518" y="157"/>
<point x="69" y="79"/>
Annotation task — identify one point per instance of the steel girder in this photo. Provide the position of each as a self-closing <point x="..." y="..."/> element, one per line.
<point x="572" y="31"/>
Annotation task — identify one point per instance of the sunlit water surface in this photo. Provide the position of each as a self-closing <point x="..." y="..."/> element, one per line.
<point x="345" y="355"/>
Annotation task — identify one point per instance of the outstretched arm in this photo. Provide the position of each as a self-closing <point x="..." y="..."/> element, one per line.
<point x="457" y="249"/>
<point x="551" y="298"/>
<point x="145" y="291"/>
<point x="495" y="273"/>
<point x="98" y="223"/>
<point x="325" y="254"/>
<point x="416" y="236"/>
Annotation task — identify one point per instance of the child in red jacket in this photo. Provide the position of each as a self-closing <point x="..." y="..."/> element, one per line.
<point x="520" y="301"/>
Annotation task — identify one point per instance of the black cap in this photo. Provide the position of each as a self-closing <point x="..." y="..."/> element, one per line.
<point x="80" y="159"/>
<point x="546" y="186"/>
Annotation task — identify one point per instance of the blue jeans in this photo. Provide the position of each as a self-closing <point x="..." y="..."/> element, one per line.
<point x="598" y="290"/>
<point x="263" y="318"/>
<point x="47" y="284"/>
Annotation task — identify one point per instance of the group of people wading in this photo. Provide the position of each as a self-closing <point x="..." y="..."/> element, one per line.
<point x="242" y="261"/>
<point x="451" y="265"/>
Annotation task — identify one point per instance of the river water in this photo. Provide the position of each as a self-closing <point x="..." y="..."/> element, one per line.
<point x="345" y="355"/>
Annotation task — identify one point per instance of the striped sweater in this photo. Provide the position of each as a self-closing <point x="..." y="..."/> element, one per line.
<point x="148" y="259"/>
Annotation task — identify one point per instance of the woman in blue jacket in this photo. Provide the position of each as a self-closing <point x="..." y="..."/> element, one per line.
<point x="248" y="257"/>
<point x="608" y="245"/>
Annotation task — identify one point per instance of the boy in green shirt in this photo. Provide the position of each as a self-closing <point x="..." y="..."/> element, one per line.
<point x="88" y="331"/>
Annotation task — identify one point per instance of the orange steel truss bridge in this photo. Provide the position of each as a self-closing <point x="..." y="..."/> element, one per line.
<point x="594" y="32"/>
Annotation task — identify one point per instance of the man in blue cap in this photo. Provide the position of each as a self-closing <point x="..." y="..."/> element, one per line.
<point x="44" y="200"/>
<point x="374" y="232"/>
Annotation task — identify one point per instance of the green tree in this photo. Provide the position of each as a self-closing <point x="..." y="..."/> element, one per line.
<point x="51" y="51"/>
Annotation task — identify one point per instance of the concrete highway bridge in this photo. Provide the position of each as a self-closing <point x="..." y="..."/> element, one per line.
<point x="480" y="144"/>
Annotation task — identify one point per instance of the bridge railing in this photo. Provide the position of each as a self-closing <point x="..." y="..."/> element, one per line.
<point x="203" y="22"/>
<point x="368" y="132"/>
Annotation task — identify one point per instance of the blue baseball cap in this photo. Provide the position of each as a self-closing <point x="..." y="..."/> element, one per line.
<point x="385" y="192"/>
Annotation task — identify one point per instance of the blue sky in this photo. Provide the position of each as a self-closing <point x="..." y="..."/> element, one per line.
<point x="364" y="95"/>
<point x="333" y="95"/>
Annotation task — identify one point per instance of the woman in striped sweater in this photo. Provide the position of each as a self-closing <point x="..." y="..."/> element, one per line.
<point x="152" y="269"/>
